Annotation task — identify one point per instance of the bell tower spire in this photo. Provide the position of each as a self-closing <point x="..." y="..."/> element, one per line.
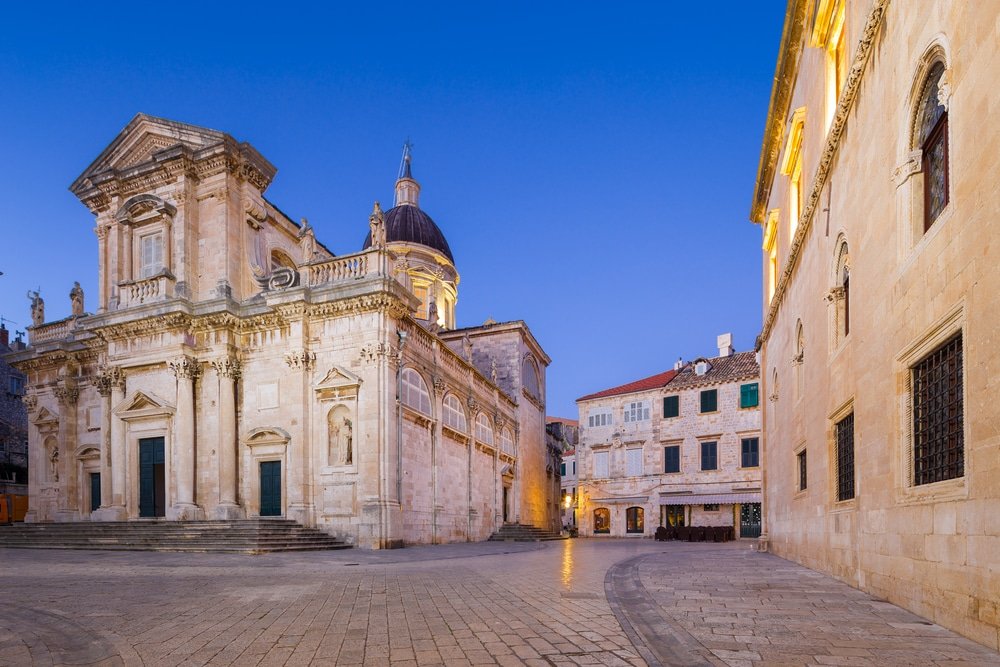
<point x="407" y="189"/>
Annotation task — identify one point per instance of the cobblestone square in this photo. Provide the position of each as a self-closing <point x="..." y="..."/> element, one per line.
<point x="587" y="602"/>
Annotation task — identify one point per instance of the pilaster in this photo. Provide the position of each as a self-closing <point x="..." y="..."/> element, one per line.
<point x="186" y="370"/>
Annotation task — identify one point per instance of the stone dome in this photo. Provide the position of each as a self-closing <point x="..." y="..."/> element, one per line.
<point x="407" y="223"/>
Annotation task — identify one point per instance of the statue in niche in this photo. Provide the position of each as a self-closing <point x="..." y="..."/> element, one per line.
<point x="493" y="371"/>
<point x="37" y="308"/>
<point x="54" y="465"/>
<point x="76" y="299"/>
<point x="340" y="445"/>
<point x="467" y="348"/>
<point x="377" y="223"/>
<point x="432" y="312"/>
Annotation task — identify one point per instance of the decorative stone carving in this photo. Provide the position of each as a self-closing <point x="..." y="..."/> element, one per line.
<point x="67" y="395"/>
<point x="911" y="166"/>
<point x="300" y="359"/>
<point x="944" y="89"/>
<point x="374" y="351"/>
<point x="493" y="371"/>
<point x="37" y="308"/>
<point x="30" y="402"/>
<point x="307" y="241"/>
<point x="439" y="385"/>
<point x="835" y="294"/>
<point x="467" y="348"/>
<point x="256" y="213"/>
<point x="76" y="299"/>
<point x="472" y="403"/>
<point x="376" y="221"/>
<point x="228" y="367"/>
<point x="185" y="368"/>
<point x="282" y="278"/>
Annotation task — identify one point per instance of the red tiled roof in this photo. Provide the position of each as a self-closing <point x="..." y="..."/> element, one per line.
<point x="738" y="366"/>
<point x="561" y="420"/>
<point x="652" y="382"/>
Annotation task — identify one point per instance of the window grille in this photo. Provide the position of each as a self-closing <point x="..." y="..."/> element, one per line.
<point x="803" y="478"/>
<point x="938" y="415"/>
<point x="845" y="458"/>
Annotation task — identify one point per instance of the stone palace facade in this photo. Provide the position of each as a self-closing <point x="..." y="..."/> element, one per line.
<point x="235" y="367"/>
<point x="877" y="198"/>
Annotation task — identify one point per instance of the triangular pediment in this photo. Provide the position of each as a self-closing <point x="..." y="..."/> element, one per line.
<point x="338" y="383"/>
<point x="45" y="416"/>
<point x="140" y="403"/>
<point x="142" y="138"/>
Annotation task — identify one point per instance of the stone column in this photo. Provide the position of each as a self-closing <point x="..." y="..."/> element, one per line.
<point x="298" y="456"/>
<point x="186" y="370"/>
<point x="103" y="385"/>
<point x="67" y="394"/>
<point x="229" y="370"/>
<point x="117" y="435"/>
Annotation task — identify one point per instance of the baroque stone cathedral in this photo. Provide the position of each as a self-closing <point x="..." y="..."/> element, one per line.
<point x="235" y="367"/>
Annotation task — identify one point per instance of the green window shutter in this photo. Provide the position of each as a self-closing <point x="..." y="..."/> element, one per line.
<point x="749" y="395"/>
<point x="709" y="400"/>
<point x="671" y="406"/>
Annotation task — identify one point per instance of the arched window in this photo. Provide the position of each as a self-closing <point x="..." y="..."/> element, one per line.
<point x="931" y="137"/>
<point x="414" y="392"/>
<point x="454" y="415"/>
<point x="840" y="295"/>
<point x="507" y="442"/>
<point x="602" y="521"/>
<point x="529" y="377"/>
<point x="633" y="520"/>
<point x="484" y="430"/>
<point x="773" y="393"/>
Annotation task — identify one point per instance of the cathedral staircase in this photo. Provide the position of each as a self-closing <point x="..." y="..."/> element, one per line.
<point x="516" y="532"/>
<point x="247" y="536"/>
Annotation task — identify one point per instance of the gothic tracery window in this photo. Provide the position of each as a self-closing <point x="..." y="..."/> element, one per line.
<point x="932" y="140"/>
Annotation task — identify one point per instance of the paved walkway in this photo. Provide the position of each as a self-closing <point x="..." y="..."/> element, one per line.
<point x="598" y="602"/>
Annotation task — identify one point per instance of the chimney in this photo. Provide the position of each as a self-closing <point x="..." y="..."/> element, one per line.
<point x="4" y="336"/>
<point x="725" y="343"/>
<point x="679" y="364"/>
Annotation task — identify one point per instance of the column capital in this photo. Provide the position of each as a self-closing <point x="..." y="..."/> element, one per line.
<point x="228" y="367"/>
<point x="109" y="378"/>
<point x="185" y="368"/>
<point x="67" y="395"/>
<point x="300" y="359"/>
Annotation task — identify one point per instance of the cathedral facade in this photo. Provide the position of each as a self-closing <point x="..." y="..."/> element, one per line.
<point x="235" y="367"/>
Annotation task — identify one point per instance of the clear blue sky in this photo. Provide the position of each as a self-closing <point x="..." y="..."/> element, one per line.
<point x="591" y="164"/>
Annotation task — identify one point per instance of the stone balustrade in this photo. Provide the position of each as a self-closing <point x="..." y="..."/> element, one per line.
<point x="348" y="267"/>
<point x="147" y="290"/>
<point x="51" y="331"/>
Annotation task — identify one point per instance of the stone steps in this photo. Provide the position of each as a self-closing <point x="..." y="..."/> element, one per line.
<point x="236" y="536"/>
<point x="516" y="532"/>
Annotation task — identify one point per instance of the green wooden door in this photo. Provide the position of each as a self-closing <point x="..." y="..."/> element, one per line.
<point x="152" y="489"/>
<point x="270" y="488"/>
<point x="95" y="490"/>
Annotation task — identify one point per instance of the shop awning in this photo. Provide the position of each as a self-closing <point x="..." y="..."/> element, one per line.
<point x="709" y="498"/>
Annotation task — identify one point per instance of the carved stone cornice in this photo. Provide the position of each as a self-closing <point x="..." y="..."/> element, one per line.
<point x="185" y="368"/>
<point x="380" y="301"/>
<point x="865" y="49"/>
<point x="302" y="359"/>
<point x="228" y="367"/>
<point x="144" y="326"/>
<point x="375" y="351"/>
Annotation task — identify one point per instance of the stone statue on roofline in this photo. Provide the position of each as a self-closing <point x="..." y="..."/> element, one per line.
<point x="376" y="221"/>
<point x="76" y="299"/>
<point x="307" y="241"/>
<point x="37" y="308"/>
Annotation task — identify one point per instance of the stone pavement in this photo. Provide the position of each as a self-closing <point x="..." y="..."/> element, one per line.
<point x="599" y="602"/>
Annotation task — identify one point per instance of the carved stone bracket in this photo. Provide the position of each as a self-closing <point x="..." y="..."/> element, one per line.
<point x="439" y="385"/>
<point x="835" y="294"/>
<point x="499" y="421"/>
<point x="300" y="359"/>
<point x="228" y="367"/>
<point x="375" y="351"/>
<point x="472" y="403"/>
<point x="910" y="167"/>
<point x="185" y="368"/>
<point x="30" y="402"/>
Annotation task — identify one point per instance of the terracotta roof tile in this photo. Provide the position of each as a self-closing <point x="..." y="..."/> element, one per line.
<point x="652" y="382"/>
<point x="739" y="366"/>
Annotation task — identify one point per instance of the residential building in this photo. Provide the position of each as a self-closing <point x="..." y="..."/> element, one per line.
<point x="679" y="448"/>
<point x="236" y="367"/>
<point x="877" y="198"/>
